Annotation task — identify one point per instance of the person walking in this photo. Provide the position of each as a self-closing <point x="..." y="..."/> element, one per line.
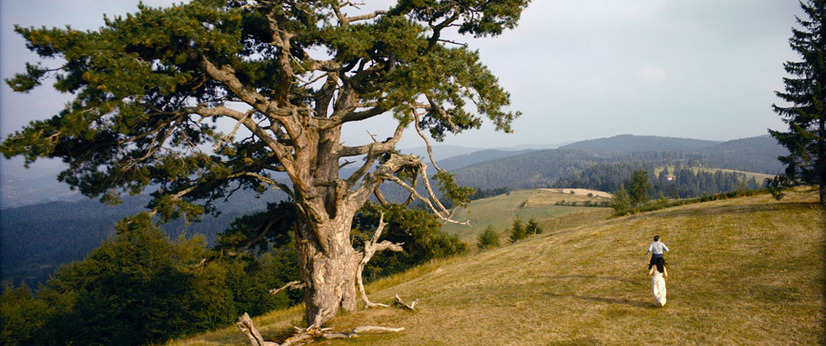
<point x="656" y="249"/>
<point x="658" y="282"/>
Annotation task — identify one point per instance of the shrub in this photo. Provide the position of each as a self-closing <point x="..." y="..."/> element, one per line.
<point x="488" y="239"/>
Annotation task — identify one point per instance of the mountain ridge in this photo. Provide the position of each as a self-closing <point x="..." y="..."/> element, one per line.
<point x="21" y="187"/>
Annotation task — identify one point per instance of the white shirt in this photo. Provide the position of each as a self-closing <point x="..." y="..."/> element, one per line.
<point x="656" y="248"/>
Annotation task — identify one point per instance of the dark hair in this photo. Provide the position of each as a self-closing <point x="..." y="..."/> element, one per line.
<point x="656" y="238"/>
<point x="660" y="262"/>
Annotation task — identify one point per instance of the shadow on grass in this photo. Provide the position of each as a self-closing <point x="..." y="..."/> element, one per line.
<point x="628" y="302"/>
<point x="592" y="277"/>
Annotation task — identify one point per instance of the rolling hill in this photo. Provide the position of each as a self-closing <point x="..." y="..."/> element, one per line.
<point x="742" y="271"/>
<point x="633" y="144"/>
<point x="541" y="204"/>
<point x="544" y="167"/>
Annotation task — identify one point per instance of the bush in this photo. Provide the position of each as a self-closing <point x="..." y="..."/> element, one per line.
<point x="488" y="239"/>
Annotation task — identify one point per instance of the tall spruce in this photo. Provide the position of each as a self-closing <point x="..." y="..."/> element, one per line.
<point x="284" y="78"/>
<point x="639" y="188"/>
<point x="805" y="95"/>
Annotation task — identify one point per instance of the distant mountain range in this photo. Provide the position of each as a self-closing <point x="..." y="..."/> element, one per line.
<point x="631" y="144"/>
<point x="542" y="168"/>
<point x="37" y="235"/>
<point x="533" y="165"/>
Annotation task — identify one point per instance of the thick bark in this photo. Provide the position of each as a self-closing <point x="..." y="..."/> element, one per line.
<point x="330" y="273"/>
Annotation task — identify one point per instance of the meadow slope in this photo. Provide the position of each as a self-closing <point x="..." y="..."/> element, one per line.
<point x="742" y="271"/>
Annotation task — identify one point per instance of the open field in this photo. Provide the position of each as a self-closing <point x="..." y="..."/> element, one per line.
<point x="741" y="271"/>
<point x="758" y="177"/>
<point x="500" y="211"/>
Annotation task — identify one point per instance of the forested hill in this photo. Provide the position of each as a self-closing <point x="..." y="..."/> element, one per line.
<point x="35" y="239"/>
<point x="545" y="167"/>
<point x="633" y="144"/>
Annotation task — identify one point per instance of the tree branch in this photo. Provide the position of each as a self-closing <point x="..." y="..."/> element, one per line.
<point x="370" y="249"/>
<point x="295" y="285"/>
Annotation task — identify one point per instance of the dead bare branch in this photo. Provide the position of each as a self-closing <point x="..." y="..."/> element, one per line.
<point x="305" y="336"/>
<point x="295" y="285"/>
<point x="400" y="302"/>
<point x="248" y="328"/>
<point x="370" y="249"/>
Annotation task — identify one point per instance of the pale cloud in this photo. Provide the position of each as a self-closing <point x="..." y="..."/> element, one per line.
<point x="653" y="74"/>
<point x="576" y="69"/>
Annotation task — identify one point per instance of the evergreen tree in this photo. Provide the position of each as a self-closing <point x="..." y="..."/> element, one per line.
<point x="639" y="188"/>
<point x="488" y="239"/>
<point x="621" y="202"/>
<point x="533" y="227"/>
<point x="517" y="230"/>
<point x="805" y="93"/>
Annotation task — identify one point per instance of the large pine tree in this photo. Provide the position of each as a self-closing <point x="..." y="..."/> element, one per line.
<point x="805" y="95"/>
<point x="287" y="76"/>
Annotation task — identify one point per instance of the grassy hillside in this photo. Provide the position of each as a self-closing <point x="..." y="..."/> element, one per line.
<point x="758" y="177"/>
<point x="742" y="271"/>
<point x="500" y="211"/>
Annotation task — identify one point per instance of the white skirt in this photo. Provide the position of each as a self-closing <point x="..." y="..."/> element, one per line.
<point x="658" y="285"/>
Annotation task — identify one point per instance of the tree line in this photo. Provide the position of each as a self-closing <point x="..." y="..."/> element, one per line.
<point x="143" y="286"/>
<point x="682" y="182"/>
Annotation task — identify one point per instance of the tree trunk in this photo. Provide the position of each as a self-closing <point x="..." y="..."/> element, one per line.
<point x="330" y="273"/>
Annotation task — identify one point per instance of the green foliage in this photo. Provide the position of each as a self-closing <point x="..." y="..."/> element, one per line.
<point x="488" y="239"/>
<point x="22" y="315"/>
<point x="518" y="231"/>
<point x="139" y="287"/>
<point x="533" y="227"/>
<point x="639" y="187"/>
<point x="621" y="203"/>
<point x="459" y="195"/>
<point x="806" y="97"/>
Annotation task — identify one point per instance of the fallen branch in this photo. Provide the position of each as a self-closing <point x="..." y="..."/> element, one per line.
<point x="357" y="331"/>
<point x="248" y="328"/>
<point x="400" y="302"/>
<point x="304" y="336"/>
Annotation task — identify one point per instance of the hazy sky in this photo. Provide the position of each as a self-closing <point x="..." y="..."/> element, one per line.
<point x="576" y="69"/>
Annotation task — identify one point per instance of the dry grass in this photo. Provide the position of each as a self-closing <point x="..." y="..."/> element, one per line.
<point x="742" y="271"/>
<point x="499" y="211"/>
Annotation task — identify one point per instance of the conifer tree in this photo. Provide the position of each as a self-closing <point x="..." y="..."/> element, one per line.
<point x="639" y="188"/>
<point x="533" y="227"/>
<point x="517" y="230"/>
<point x="621" y="202"/>
<point x="805" y="95"/>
